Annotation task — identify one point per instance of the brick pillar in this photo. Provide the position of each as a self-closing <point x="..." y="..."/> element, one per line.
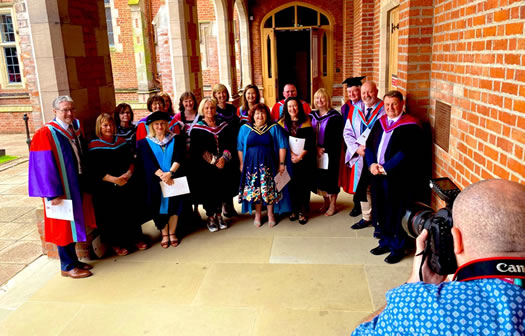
<point x="226" y="41"/>
<point x="184" y="46"/>
<point x="144" y="55"/>
<point x="363" y="37"/>
<point x="415" y="54"/>
<point x="348" y="42"/>
<point x="72" y="57"/>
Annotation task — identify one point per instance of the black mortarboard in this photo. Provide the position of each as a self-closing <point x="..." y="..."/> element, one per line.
<point x="159" y="115"/>
<point x="353" y="81"/>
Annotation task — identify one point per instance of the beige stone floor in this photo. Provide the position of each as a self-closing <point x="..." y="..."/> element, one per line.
<point x="19" y="213"/>
<point x="316" y="279"/>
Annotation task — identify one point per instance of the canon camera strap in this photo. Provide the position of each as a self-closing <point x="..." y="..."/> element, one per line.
<point x="503" y="268"/>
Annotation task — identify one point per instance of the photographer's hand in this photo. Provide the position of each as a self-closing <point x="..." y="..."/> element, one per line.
<point x="428" y="275"/>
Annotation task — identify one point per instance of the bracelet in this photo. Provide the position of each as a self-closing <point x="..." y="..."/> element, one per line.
<point x="281" y="163"/>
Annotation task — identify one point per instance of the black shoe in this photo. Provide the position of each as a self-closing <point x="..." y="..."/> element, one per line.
<point x="394" y="257"/>
<point x="380" y="250"/>
<point x="356" y="211"/>
<point x="212" y="224"/>
<point x="361" y="224"/>
<point x="293" y="217"/>
<point x="302" y="219"/>
<point x="377" y="234"/>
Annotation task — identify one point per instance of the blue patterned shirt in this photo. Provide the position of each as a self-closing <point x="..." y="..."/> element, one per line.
<point x="477" y="307"/>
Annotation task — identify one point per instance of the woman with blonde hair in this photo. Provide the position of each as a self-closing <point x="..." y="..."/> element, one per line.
<point x="328" y="126"/>
<point x="112" y="180"/>
<point x="161" y="155"/>
<point x="212" y="147"/>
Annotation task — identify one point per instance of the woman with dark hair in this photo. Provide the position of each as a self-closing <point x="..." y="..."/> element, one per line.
<point x="111" y="171"/>
<point x="168" y="105"/>
<point x="250" y="97"/>
<point x="212" y="145"/>
<point x="154" y="104"/>
<point x="123" y="117"/>
<point x="328" y="126"/>
<point x="161" y="155"/>
<point x="298" y="126"/>
<point x="262" y="149"/>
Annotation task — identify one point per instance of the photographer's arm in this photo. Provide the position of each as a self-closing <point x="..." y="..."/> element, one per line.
<point x="428" y="275"/>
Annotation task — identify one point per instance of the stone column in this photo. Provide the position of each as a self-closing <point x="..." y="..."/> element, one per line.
<point x="226" y="41"/>
<point x="71" y="53"/>
<point x="184" y="46"/>
<point x="142" y="47"/>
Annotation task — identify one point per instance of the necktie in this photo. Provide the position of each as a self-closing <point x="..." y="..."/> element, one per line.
<point x="389" y="123"/>
<point x="368" y="112"/>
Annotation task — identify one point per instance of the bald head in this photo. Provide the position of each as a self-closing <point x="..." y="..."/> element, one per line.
<point x="491" y="217"/>
<point x="369" y="94"/>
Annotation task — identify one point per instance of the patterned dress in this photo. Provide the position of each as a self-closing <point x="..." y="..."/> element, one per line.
<point x="259" y="168"/>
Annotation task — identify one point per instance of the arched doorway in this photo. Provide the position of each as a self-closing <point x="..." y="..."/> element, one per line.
<point x="297" y="48"/>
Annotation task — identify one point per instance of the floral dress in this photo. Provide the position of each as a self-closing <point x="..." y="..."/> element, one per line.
<point x="259" y="168"/>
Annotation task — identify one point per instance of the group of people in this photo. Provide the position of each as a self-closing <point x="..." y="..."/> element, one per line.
<point x="270" y="159"/>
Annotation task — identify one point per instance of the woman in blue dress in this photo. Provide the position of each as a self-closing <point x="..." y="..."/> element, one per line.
<point x="263" y="153"/>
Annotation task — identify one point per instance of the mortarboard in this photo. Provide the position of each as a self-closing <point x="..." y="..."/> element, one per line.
<point x="353" y="81"/>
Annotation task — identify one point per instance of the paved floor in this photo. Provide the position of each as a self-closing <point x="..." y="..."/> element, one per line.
<point x="316" y="279"/>
<point x="19" y="238"/>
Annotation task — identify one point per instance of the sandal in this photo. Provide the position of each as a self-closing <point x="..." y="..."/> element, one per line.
<point x="165" y="244"/>
<point x="120" y="251"/>
<point x="174" y="242"/>
<point x="141" y="245"/>
<point x="257" y="223"/>
<point x="302" y="219"/>
<point x="272" y="223"/>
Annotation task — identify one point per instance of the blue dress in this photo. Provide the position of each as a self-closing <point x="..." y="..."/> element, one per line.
<point x="260" y="162"/>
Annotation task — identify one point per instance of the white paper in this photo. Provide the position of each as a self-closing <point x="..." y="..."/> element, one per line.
<point x="362" y="138"/>
<point x="296" y="145"/>
<point x="322" y="162"/>
<point x="282" y="180"/>
<point x="64" y="210"/>
<point x="179" y="187"/>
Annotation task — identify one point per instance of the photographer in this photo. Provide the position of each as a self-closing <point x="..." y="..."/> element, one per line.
<point x="487" y="296"/>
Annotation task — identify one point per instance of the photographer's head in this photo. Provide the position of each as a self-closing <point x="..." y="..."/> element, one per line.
<point x="489" y="221"/>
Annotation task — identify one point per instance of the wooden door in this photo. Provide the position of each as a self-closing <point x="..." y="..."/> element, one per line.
<point x="315" y="60"/>
<point x="393" y="19"/>
<point x="270" y="76"/>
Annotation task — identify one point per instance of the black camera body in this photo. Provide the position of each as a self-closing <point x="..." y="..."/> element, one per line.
<point x="439" y="249"/>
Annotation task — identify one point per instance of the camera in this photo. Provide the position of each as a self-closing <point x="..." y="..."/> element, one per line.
<point x="439" y="248"/>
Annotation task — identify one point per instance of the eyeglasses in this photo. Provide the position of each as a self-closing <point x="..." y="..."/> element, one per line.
<point x="67" y="110"/>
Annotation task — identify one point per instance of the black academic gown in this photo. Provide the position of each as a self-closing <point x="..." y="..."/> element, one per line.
<point x="392" y="193"/>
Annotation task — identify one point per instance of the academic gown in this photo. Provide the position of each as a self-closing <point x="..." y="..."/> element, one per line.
<point x="328" y="130"/>
<point x="213" y="185"/>
<point x="280" y="141"/>
<point x="148" y="164"/>
<point x="392" y="193"/>
<point x="301" y="183"/>
<point x="277" y="109"/>
<point x="115" y="206"/>
<point x="243" y="115"/>
<point x="53" y="172"/>
<point x="355" y="124"/>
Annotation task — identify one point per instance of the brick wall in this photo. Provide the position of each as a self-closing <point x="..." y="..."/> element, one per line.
<point x="363" y="37"/>
<point x="478" y="56"/>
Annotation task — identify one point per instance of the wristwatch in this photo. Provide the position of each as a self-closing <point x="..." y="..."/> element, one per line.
<point x="172" y="174"/>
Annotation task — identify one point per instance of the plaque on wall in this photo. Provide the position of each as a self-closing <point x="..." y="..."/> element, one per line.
<point x="442" y="125"/>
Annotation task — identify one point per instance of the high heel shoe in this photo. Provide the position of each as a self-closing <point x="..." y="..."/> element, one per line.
<point x="165" y="244"/>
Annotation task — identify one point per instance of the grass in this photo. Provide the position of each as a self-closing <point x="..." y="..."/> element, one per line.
<point x="7" y="158"/>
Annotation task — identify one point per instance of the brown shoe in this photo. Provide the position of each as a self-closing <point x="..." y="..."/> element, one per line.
<point x="84" y="266"/>
<point x="77" y="273"/>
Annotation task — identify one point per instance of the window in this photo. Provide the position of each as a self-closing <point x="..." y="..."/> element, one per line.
<point x="9" y="52"/>
<point x="109" y="23"/>
<point x="204" y="35"/>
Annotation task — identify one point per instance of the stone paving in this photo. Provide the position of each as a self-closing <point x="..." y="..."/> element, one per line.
<point x="19" y="213"/>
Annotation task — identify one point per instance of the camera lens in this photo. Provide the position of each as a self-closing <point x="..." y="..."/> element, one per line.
<point x="415" y="217"/>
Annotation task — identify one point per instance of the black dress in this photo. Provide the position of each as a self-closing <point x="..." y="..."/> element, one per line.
<point x="329" y="134"/>
<point x="114" y="205"/>
<point x="214" y="186"/>
<point x="302" y="171"/>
